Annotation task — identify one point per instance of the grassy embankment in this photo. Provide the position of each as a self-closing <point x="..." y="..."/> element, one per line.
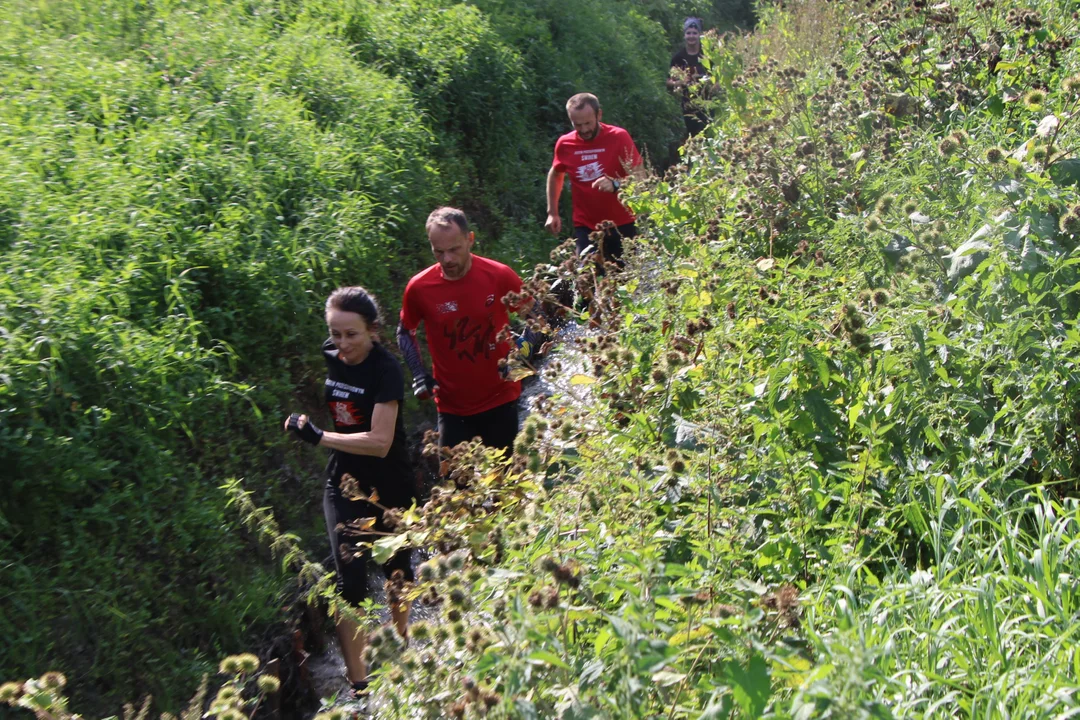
<point x="181" y="183"/>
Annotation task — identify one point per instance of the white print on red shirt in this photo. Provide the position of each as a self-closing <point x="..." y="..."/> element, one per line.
<point x="344" y="413"/>
<point x="590" y="172"/>
<point x="447" y="307"/>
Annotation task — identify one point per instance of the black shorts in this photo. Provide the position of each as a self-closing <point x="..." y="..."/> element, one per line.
<point x="352" y="577"/>
<point x="496" y="427"/>
<point x="612" y="240"/>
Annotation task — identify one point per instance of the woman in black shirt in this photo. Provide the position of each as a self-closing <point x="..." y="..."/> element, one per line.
<point x="686" y="71"/>
<point x="364" y="389"/>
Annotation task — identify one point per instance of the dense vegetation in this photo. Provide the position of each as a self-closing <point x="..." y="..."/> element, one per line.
<point x="180" y="185"/>
<point x="827" y="467"/>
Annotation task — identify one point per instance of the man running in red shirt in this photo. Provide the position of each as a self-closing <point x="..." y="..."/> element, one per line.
<point x="597" y="157"/>
<point x="460" y="301"/>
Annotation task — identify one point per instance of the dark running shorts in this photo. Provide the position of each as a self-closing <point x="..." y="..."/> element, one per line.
<point x="352" y="576"/>
<point x="496" y="427"/>
<point x="613" y="246"/>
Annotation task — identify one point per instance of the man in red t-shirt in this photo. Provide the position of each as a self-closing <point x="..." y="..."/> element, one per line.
<point x="597" y="157"/>
<point x="460" y="301"/>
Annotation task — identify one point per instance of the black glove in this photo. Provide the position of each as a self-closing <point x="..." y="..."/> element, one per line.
<point x="309" y="433"/>
<point x="423" y="386"/>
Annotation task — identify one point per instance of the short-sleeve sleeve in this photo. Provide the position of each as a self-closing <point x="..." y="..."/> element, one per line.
<point x="557" y="164"/>
<point x="391" y="385"/>
<point x="509" y="282"/>
<point x="410" y="314"/>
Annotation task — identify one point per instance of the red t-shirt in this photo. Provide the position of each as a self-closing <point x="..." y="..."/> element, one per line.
<point x="612" y="153"/>
<point x="462" y="318"/>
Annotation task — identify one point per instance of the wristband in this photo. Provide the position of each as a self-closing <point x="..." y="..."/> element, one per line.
<point x="615" y="185"/>
<point x="423" y="386"/>
<point x="309" y="433"/>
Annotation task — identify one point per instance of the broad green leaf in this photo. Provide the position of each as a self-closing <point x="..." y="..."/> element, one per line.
<point x="853" y="414"/>
<point x="602" y="639"/>
<point x="667" y="678"/>
<point x="933" y="438"/>
<point x="816" y="359"/>
<point x="751" y="685"/>
<point x="717" y="709"/>
<point x="385" y="547"/>
<point x="546" y="657"/>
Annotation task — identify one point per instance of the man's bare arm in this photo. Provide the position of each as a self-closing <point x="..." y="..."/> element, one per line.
<point x="555" y="180"/>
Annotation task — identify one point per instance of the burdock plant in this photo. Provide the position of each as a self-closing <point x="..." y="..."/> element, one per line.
<point x="1069" y="223"/>
<point x="1034" y="99"/>
<point x="948" y="146"/>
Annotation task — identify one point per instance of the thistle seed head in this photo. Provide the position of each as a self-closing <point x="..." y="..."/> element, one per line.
<point x="458" y="598"/>
<point x="52" y="680"/>
<point x="1069" y="223"/>
<point x="420" y="630"/>
<point x="1034" y="98"/>
<point x="457" y="559"/>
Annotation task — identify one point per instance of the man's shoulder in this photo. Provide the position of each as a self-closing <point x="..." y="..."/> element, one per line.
<point x="569" y="138"/>
<point x="487" y="265"/>
<point x="425" y="276"/>
<point x="615" y="131"/>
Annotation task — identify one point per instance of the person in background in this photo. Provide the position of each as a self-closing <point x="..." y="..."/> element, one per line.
<point x="686" y="71"/>
<point x="460" y="301"/>
<point x="364" y="389"/>
<point x="597" y="157"/>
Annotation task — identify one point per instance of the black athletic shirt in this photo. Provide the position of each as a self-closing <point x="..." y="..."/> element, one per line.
<point x="352" y="391"/>
<point x="686" y="61"/>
